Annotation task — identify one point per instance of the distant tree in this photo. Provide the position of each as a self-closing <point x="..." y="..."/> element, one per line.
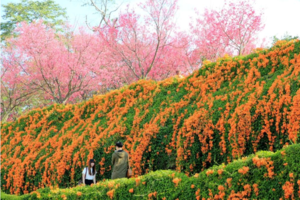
<point x="105" y="9"/>
<point x="51" y="14"/>
<point x="286" y="37"/>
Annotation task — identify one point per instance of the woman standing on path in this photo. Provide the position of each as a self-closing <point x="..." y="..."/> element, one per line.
<point x="89" y="173"/>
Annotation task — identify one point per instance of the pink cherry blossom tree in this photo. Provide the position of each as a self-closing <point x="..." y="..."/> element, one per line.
<point x="145" y="46"/>
<point x="231" y="30"/>
<point x="61" y="66"/>
<point x="14" y="94"/>
<point x="71" y="65"/>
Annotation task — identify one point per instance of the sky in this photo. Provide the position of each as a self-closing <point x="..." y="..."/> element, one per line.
<point x="280" y="16"/>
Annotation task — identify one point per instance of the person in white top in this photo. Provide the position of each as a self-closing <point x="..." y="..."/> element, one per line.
<point x="178" y="75"/>
<point x="89" y="173"/>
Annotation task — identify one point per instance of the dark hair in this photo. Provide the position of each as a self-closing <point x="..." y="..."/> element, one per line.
<point x="92" y="161"/>
<point x="119" y="144"/>
<point x="90" y="166"/>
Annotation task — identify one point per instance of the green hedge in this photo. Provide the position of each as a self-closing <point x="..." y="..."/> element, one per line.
<point x="286" y="169"/>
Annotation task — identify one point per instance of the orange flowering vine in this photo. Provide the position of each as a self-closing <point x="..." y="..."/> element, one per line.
<point x="50" y="141"/>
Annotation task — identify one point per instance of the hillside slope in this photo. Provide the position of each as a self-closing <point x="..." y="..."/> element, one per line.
<point x="265" y="175"/>
<point x="223" y="111"/>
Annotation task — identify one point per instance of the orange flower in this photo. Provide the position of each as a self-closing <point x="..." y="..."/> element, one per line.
<point x="110" y="193"/>
<point x="192" y="186"/>
<point x="176" y="181"/>
<point x="111" y="184"/>
<point x="243" y="170"/>
<point x="131" y="190"/>
<point x="79" y="193"/>
<point x="247" y="189"/>
<point x="255" y="187"/>
<point x="153" y="194"/>
<point x="220" y="171"/>
<point x="209" y="172"/>
<point x="137" y="181"/>
<point x="228" y="182"/>
<point x="221" y="188"/>
<point x="298" y="182"/>
<point x="288" y="189"/>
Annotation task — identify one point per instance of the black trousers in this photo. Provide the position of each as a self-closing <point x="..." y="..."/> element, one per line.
<point x="88" y="182"/>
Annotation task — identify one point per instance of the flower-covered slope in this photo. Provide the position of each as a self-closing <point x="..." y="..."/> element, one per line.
<point x="223" y="111"/>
